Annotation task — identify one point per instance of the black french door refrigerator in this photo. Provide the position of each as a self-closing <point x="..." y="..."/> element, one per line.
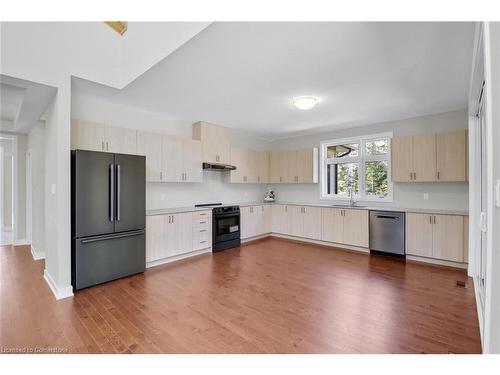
<point x="108" y="210"/>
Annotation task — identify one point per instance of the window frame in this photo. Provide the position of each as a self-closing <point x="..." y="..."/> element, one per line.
<point x="361" y="159"/>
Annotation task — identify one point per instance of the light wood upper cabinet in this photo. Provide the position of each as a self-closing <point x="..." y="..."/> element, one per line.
<point x="87" y="136"/>
<point x="424" y="157"/>
<point x="263" y="166"/>
<point x="451" y="156"/>
<point x="191" y="161"/>
<point x="402" y="158"/>
<point x="294" y="166"/>
<point x="356" y="227"/>
<point x="429" y="157"/>
<point x="120" y="140"/>
<point x="215" y="142"/>
<point x="252" y="166"/>
<point x="436" y="236"/>
<point x="419" y="234"/>
<point x="150" y="146"/>
<point x="172" y="155"/>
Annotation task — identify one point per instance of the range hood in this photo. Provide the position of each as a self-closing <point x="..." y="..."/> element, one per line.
<point x="218" y="167"/>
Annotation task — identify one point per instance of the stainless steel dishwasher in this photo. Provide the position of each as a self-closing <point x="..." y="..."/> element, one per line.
<point x="387" y="232"/>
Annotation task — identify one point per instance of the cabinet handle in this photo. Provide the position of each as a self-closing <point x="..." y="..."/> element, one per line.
<point x="161" y="175"/>
<point x="434" y="219"/>
<point x="203" y="241"/>
<point x="414" y="176"/>
<point x="203" y="222"/>
<point x="438" y="175"/>
<point x="107" y="146"/>
<point x="173" y="219"/>
<point x="102" y="146"/>
<point x="286" y="208"/>
<point x="258" y="178"/>
<point x="203" y="214"/>
<point x="430" y="219"/>
<point x="262" y="208"/>
<point x="281" y="179"/>
<point x="203" y="230"/>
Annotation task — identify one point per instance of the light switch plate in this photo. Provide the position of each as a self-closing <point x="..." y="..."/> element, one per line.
<point x="163" y="197"/>
<point x="53" y="188"/>
<point x="497" y="193"/>
<point x="426" y="196"/>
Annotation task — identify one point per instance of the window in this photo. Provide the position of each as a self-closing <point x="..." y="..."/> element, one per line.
<point x="358" y="166"/>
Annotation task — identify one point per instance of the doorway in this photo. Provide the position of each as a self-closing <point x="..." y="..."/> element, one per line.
<point x="6" y="191"/>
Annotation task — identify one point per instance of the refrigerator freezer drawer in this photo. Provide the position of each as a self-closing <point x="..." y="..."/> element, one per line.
<point x="98" y="259"/>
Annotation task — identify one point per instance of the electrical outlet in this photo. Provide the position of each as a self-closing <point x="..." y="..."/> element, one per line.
<point x="426" y="196"/>
<point x="53" y="188"/>
<point x="163" y="197"/>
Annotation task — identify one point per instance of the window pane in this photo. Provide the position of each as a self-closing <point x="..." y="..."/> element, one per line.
<point x="342" y="177"/>
<point x="376" y="178"/>
<point x="342" y="151"/>
<point x="379" y="147"/>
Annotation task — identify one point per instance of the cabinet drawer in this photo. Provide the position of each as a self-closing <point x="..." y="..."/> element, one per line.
<point x="203" y="222"/>
<point x="201" y="240"/>
<point x="201" y="215"/>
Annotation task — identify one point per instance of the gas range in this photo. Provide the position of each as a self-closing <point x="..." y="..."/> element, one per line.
<point x="225" y="225"/>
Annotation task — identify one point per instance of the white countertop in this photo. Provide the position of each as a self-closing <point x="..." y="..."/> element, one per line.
<point x="175" y="210"/>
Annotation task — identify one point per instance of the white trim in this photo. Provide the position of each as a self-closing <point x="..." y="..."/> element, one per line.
<point x="2" y="152"/>
<point x="159" y="262"/>
<point x="37" y="255"/>
<point x="15" y="165"/>
<point x="29" y="196"/>
<point x="21" y="242"/>
<point x="439" y="262"/>
<point x="58" y="292"/>
<point x="324" y="243"/>
<point x="361" y="159"/>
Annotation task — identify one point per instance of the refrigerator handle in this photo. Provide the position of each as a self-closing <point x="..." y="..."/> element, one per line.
<point x="111" y="192"/>
<point x="118" y="185"/>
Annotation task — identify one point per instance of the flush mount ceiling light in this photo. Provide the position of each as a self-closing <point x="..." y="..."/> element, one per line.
<point x="305" y="102"/>
<point x="119" y="26"/>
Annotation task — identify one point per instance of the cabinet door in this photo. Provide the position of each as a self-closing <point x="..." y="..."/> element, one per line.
<point x="290" y="159"/>
<point x="121" y="140"/>
<point x="295" y="221"/>
<point x="191" y="161"/>
<point x="278" y="218"/>
<point x="252" y="157"/>
<point x="356" y="227"/>
<point x="448" y="237"/>
<point x="87" y="136"/>
<point x="246" y="222"/>
<point x="332" y="225"/>
<point x="238" y="160"/>
<point x="172" y="153"/>
<point x="451" y="150"/>
<point x="402" y="159"/>
<point x="419" y="234"/>
<point x="223" y="150"/>
<point x="267" y="218"/>
<point x="424" y="157"/>
<point x="263" y="167"/>
<point x="183" y="232"/>
<point x="274" y="167"/>
<point x="155" y="237"/>
<point x="312" y="222"/>
<point x="150" y="145"/>
<point x="305" y="166"/>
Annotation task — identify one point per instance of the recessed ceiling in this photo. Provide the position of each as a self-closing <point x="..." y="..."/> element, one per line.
<point x="244" y="75"/>
<point x="22" y="103"/>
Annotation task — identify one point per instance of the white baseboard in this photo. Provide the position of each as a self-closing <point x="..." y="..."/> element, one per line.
<point x="21" y="242"/>
<point x="438" y="262"/>
<point x="37" y="255"/>
<point x="59" y="292"/>
<point x="159" y="262"/>
<point x="324" y="243"/>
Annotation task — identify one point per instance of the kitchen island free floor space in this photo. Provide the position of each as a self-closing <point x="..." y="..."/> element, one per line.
<point x="268" y="296"/>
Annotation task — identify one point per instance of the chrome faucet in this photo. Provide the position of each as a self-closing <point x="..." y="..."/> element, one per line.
<point x="352" y="201"/>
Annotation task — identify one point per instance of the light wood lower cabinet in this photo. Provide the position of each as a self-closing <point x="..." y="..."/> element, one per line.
<point x="345" y="226"/>
<point x="176" y="234"/>
<point x="279" y="218"/>
<point x="435" y="236"/>
<point x="255" y="220"/>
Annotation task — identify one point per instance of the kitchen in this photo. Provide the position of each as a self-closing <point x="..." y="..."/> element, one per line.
<point x="221" y="199"/>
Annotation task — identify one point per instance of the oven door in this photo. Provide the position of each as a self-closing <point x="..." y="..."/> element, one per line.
<point x="226" y="227"/>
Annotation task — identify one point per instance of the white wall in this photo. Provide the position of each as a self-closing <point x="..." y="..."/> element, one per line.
<point x="214" y="188"/>
<point x="36" y="144"/>
<point x="441" y="195"/>
<point x="492" y="305"/>
<point x="22" y="142"/>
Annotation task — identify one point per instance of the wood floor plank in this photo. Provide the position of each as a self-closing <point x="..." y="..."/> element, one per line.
<point x="269" y="296"/>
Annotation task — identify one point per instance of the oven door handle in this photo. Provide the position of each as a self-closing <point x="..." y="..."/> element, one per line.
<point x="226" y="215"/>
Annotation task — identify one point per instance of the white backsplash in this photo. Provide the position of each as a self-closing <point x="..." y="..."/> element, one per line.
<point x="214" y="188"/>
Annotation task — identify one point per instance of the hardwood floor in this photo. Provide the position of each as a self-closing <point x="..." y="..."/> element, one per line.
<point x="270" y="296"/>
